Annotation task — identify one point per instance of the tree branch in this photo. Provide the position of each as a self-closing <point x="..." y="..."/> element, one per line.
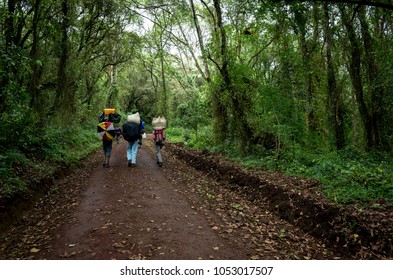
<point x="372" y="3"/>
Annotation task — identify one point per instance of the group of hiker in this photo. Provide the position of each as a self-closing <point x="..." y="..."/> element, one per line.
<point x="133" y="131"/>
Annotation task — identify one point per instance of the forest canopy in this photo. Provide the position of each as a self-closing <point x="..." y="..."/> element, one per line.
<point x="295" y="84"/>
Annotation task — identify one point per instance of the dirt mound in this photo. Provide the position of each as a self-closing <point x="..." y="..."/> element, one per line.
<point x="353" y="233"/>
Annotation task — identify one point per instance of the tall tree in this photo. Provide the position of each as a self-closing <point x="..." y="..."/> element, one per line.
<point x="355" y="69"/>
<point x="238" y="100"/>
<point x="307" y="49"/>
<point x="36" y="65"/>
<point x="64" y="94"/>
<point x="206" y="75"/>
<point x="375" y="88"/>
<point x="334" y="103"/>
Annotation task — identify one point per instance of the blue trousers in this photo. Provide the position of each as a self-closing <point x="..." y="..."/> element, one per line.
<point x="132" y="151"/>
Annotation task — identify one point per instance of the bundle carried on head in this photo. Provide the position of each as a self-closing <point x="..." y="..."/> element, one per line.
<point x="159" y="122"/>
<point x="134" y="118"/>
<point x="109" y="115"/>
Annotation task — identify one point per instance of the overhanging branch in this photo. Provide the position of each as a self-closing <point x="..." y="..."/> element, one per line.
<point x="378" y="4"/>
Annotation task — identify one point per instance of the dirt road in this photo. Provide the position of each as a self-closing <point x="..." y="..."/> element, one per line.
<point x="148" y="212"/>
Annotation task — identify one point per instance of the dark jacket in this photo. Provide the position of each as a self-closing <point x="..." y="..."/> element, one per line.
<point x="131" y="131"/>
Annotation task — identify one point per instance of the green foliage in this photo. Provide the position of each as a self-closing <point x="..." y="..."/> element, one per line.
<point x="237" y="207"/>
<point x="260" y="158"/>
<point x="348" y="178"/>
<point x="187" y="136"/>
<point x="266" y="105"/>
<point x="40" y="150"/>
<point x="69" y="144"/>
<point x="192" y="114"/>
<point x="176" y="134"/>
<point x="10" y="182"/>
<point x="136" y="91"/>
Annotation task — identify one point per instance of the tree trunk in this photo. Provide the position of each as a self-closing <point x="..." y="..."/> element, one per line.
<point x="356" y="77"/>
<point x="220" y="117"/>
<point x="35" y="102"/>
<point x="9" y="42"/>
<point x="300" y="29"/>
<point x="206" y="74"/>
<point x="376" y="91"/>
<point x="240" y="103"/>
<point x="163" y="79"/>
<point x="334" y="107"/>
<point x="62" y="101"/>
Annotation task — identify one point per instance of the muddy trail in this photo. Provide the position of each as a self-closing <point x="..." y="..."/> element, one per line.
<point x="197" y="206"/>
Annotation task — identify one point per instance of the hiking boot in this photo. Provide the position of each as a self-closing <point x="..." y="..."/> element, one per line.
<point x="129" y="163"/>
<point x="160" y="164"/>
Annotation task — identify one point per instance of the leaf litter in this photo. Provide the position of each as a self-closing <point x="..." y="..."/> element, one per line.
<point x="260" y="214"/>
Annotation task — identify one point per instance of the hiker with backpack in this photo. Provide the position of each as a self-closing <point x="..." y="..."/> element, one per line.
<point x="159" y="125"/>
<point x="132" y="133"/>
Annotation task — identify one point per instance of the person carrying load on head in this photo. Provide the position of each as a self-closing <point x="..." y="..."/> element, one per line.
<point x="159" y="124"/>
<point x="109" y="115"/>
<point x="132" y="133"/>
<point x="107" y="132"/>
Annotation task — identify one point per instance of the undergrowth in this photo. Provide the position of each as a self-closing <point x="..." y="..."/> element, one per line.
<point x="37" y="152"/>
<point x="347" y="177"/>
